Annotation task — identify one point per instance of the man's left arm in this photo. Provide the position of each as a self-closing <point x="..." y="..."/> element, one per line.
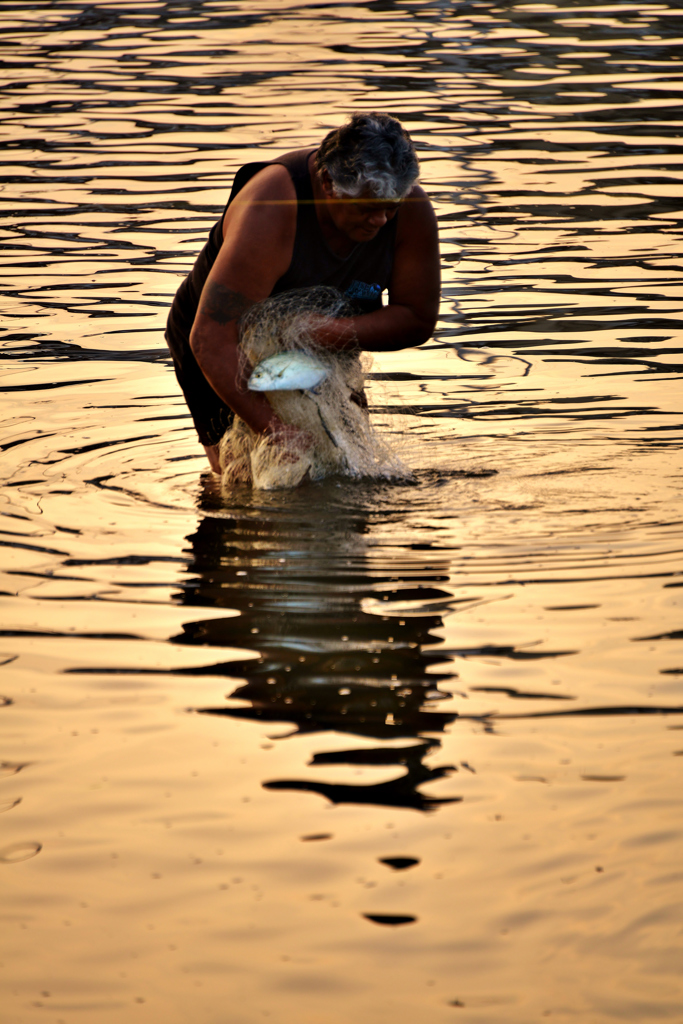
<point x="414" y="291"/>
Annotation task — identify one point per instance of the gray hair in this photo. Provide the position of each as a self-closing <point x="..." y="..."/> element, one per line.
<point x="371" y="152"/>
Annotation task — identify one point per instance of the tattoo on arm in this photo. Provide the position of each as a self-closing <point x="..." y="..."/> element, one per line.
<point x="223" y="304"/>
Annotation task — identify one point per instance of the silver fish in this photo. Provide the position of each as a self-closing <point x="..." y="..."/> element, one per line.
<point x="287" y="371"/>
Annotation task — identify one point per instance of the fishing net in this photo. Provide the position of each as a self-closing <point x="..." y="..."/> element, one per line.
<point x="334" y="414"/>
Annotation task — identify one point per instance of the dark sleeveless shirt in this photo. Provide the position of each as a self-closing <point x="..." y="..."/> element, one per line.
<point x="361" y="276"/>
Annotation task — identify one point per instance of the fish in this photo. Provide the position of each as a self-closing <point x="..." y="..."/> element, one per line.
<point x="287" y="371"/>
<point x="292" y="371"/>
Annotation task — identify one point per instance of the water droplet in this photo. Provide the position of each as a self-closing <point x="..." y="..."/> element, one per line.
<point x="18" y="852"/>
<point x="391" y="919"/>
<point x="399" y="863"/>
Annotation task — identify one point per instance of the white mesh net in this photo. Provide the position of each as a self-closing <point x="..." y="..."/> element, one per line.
<point x="334" y="414"/>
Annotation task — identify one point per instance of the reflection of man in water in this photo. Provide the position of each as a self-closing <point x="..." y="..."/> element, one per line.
<point x="348" y="214"/>
<point x="325" y="664"/>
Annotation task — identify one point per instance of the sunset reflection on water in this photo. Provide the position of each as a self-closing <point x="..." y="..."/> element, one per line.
<point x="365" y="751"/>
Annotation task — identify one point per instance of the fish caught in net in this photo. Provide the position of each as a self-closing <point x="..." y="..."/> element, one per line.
<point x="332" y="411"/>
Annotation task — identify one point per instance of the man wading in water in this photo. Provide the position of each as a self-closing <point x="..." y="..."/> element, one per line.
<point x="348" y="214"/>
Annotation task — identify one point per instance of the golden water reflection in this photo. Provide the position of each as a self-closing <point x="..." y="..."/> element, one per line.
<point x="360" y="752"/>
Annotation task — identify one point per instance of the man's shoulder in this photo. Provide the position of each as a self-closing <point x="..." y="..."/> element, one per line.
<point x="417" y="200"/>
<point x="270" y="182"/>
<point x="416" y="213"/>
<point x="277" y="178"/>
<point x="267" y="202"/>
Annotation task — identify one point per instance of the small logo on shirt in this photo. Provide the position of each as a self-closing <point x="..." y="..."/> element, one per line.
<point x="361" y="290"/>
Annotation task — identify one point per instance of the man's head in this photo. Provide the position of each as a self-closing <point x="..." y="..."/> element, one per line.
<point x="370" y="156"/>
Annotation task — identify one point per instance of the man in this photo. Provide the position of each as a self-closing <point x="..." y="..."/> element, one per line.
<point x="348" y="214"/>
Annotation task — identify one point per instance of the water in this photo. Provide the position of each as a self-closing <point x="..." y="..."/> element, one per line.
<point x="370" y="752"/>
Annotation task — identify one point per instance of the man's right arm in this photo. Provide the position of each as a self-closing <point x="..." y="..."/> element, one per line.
<point x="258" y="239"/>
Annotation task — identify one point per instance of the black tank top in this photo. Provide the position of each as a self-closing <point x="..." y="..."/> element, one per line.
<point x="361" y="276"/>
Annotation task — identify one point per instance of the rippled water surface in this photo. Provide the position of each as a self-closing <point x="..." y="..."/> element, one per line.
<point x="360" y="752"/>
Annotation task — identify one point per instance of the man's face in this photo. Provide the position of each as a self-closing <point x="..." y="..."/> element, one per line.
<point x="360" y="218"/>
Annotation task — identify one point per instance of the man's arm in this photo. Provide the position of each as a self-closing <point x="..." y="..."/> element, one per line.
<point x="414" y="291"/>
<point x="258" y="239"/>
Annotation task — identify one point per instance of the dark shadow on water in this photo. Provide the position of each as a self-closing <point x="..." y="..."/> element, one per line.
<point x="299" y="578"/>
